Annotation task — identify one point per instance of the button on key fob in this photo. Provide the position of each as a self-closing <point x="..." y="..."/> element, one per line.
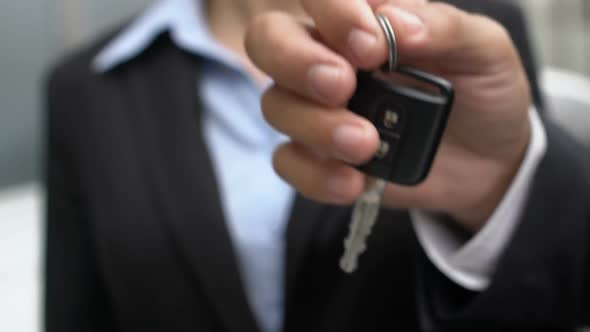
<point x="410" y="121"/>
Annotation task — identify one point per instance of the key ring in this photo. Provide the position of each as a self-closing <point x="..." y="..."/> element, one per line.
<point x="391" y="66"/>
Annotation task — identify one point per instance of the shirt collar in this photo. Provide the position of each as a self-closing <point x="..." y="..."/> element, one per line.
<point x="186" y="22"/>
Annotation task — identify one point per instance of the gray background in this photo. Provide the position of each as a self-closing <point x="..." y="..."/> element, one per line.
<point x="33" y="34"/>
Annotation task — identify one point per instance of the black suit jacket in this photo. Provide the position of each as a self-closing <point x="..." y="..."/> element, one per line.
<point x="136" y="239"/>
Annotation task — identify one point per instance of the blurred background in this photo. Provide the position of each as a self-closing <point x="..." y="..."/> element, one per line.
<point x="34" y="33"/>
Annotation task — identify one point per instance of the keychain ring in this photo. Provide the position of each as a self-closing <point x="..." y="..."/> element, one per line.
<point x="391" y="41"/>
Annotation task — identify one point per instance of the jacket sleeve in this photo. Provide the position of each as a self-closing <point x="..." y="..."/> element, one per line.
<point x="74" y="297"/>
<point x="542" y="281"/>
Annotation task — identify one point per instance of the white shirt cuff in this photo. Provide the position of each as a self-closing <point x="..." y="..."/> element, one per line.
<point x="472" y="264"/>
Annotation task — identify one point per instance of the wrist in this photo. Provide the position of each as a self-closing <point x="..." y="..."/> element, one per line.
<point x="495" y="181"/>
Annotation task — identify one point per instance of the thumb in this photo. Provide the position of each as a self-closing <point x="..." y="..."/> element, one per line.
<point x="455" y="40"/>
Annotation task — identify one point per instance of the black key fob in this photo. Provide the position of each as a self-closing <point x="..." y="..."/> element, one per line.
<point x="410" y="121"/>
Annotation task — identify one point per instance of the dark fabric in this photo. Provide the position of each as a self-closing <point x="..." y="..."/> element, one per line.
<point x="542" y="279"/>
<point x="136" y="239"/>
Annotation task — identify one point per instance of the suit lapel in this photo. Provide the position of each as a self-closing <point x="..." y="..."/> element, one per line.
<point x="163" y="84"/>
<point x="306" y="215"/>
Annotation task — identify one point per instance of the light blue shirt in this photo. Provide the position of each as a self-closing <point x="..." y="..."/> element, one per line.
<point x="256" y="202"/>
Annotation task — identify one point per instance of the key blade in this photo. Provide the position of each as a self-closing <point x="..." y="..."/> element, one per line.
<point x="364" y="216"/>
<point x="348" y="262"/>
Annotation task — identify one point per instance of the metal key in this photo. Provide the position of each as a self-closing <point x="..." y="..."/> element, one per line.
<point x="364" y="215"/>
<point x="366" y="208"/>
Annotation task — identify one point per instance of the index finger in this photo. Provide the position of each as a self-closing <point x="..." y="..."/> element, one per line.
<point x="350" y="28"/>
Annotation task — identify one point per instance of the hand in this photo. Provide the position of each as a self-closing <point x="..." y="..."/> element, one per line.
<point x="313" y="67"/>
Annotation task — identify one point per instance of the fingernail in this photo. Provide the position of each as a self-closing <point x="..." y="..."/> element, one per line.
<point x="347" y="138"/>
<point x="324" y="81"/>
<point x="360" y="44"/>
<point x="338" y="185"/>
<point x="413" y="25"/>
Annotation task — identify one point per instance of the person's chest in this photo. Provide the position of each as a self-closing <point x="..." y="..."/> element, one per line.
<point x="163" y="241"/>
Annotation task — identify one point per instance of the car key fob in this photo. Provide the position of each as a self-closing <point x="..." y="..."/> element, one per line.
<point x="410" y="121"/>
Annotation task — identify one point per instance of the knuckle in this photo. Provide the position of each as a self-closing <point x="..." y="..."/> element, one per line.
<point x="262" y="29"/>
<point x="496" y="34"/>
<point x="253" y="31"/>
<point x="454" y="18"/>
<point x="445" y="8"/>
<point x="267" y="104"/>
<point x="277" y="159"/>
<point x="493" y="29"/>
<point x="286" y="52"/>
